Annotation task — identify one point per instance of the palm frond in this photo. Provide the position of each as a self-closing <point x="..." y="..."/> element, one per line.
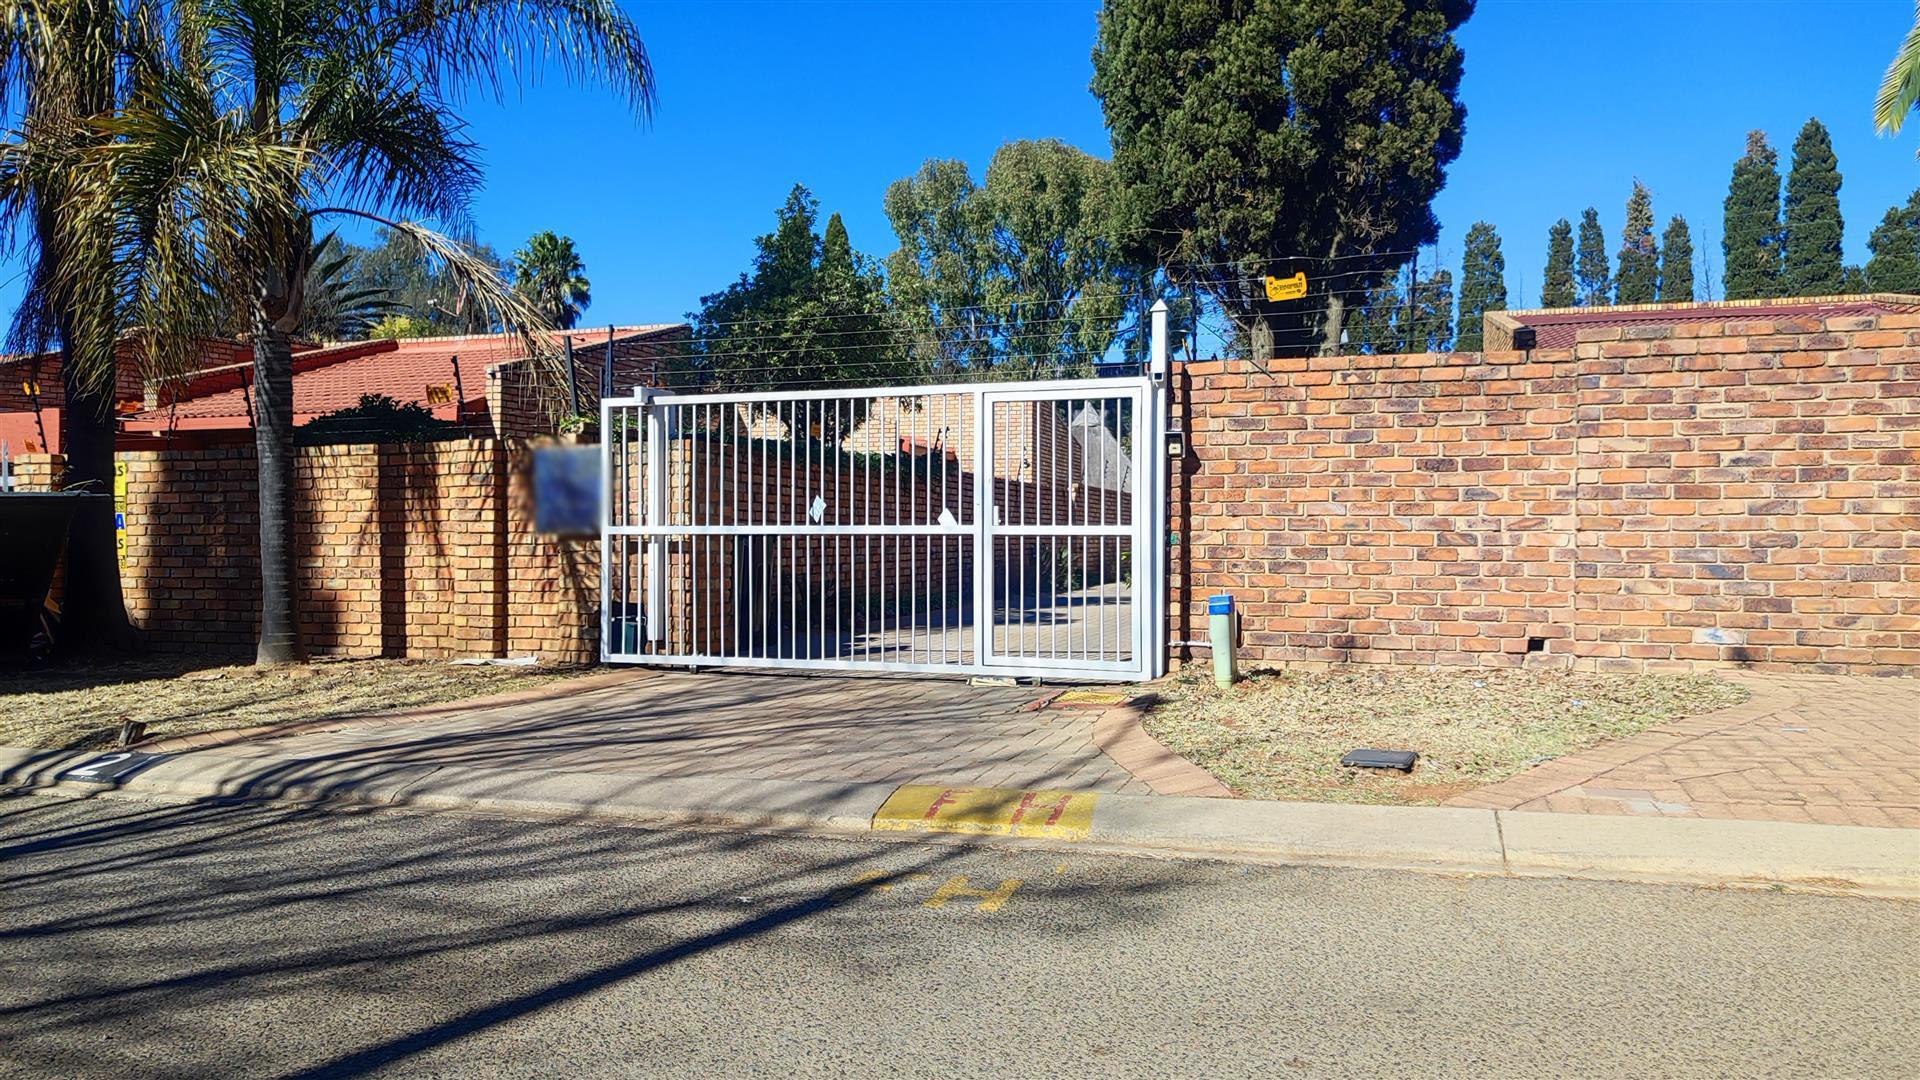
<point x="1900" y="87"/>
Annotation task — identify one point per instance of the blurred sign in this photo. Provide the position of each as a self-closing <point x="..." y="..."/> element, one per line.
<point x="440" y="395"/>
<point x="120" y="510"/>
<point x="1292" y="288"/>
<point x="566" y="490"/>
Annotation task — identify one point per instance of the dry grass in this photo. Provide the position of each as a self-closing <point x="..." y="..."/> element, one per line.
<point x="80" y="706"/>
<point x="1280" y="735"/>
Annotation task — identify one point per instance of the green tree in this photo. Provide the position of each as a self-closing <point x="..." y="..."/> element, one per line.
<point x="1377" y="323"/>
<point x="422" y="289"/>
<point x="62" y="60"/>
<point x="1853" y="281"/>
<point x="339" y="306"/>
<point x="549" y="270"/>
<point x="1016" y="274"/>
<point x="1590" y="261"/>
<point x="810" y="313"/>
<point x="1676" y="263"/>
<point x="1751" y="236"/>
<point x="249" y="123"/>
<point x="1430" y="327"/>
<point x="1812" y="263"/>
<point x="1483" y="284"/>
<point x="1638" y="279"/>
<point x="1894" y="250"/>
<point x="1556" y="284"/>
<point x="1229" y="170"/>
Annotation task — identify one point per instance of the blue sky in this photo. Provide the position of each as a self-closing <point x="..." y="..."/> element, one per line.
<point x="1567" y="104"/>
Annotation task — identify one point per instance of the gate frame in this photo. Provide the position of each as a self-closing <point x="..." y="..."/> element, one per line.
<point x="1147" y="532"/>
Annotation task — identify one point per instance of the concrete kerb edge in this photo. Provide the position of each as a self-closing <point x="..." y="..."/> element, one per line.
<point x="1838" y="859"/>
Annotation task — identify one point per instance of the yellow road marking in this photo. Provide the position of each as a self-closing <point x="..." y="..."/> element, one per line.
<point x="957" y="888"/>
<point x="1094" y="697"/>
<point x="1059" y="815"/>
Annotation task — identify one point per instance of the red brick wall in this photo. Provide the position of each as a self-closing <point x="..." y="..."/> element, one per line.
<point x="423" y="551"/>
<point x="1736" y="493"/>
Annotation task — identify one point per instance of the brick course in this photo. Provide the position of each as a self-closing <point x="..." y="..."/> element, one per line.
<point x="421" y="550"/>
<point x="1745" y="492"/>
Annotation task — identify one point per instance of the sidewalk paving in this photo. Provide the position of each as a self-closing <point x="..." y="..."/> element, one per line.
<point x="828" y="729"/>
<point x="1827" y="749"/>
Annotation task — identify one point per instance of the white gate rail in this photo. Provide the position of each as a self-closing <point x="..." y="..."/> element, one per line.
<point x="988" y="528"/>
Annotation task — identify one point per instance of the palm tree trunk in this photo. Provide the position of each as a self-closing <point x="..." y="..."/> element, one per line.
<point x="273" y="441"/>
<point x="93" y="615"/>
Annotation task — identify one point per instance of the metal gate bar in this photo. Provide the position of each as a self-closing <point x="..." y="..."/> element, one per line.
<point x="992" y="528"/>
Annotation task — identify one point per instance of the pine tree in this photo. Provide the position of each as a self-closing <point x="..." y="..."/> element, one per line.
<point x="1751" y="235"/>
<point x="1813" y="265"/>
<point x="1895" y="247"/>
<point x="1556" y="285"/>
<point x="1483" y="285"/>
<point x="1676" y="263"/>
<point x="1590" y="263"/>
<point x="1853" y="281"/>
<point x="1638" y="282"/>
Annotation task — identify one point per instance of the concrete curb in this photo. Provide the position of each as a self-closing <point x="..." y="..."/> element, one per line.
<point x="1120" y="732"/>
<point x="1823" y="858"/>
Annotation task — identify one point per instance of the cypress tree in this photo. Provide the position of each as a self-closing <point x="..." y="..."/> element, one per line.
<point x="1483" y="285"/>
<point x="1895" y="247"/>
<point x="1751" y="233"/>
<point x="1853" y="281"/>
<point x="1812" y="265"/>
<point x="1556" y="285"/>
<point x="1639" y="260"/>
<point x="1676" y="263"/>
<point x="1590" y="263"/>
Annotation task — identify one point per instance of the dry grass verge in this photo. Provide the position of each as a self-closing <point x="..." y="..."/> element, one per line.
<point x="1280" y="735"/>
<point x="80" y="706"/>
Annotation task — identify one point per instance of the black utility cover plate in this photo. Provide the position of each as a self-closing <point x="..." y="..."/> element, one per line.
<point x="1381" y="759"/>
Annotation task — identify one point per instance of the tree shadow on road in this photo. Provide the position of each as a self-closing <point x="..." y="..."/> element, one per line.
<point x="168" y="938"/>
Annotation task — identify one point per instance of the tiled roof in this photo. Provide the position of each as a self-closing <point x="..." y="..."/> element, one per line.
<point x="336" y="376"/>
<point x="1559" y="328"/>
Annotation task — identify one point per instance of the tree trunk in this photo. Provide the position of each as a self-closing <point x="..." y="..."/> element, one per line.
<point x="1334" y="324"/>
<point x="1260" y="339"/>
<point x="93" y="612"/>
<point x="273" y="441"/>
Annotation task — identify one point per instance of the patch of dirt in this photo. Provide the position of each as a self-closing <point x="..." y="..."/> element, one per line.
<point x="81" y="706"/>
<point x="1280" y="734"/>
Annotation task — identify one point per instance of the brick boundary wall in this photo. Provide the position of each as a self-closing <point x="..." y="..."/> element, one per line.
<point x="1659" y="498"/>
<point x="424" y="550"/>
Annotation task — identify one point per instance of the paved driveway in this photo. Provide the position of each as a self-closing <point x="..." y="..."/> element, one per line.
<point x="1832" y="749"/>
<point x="793" y="727"/>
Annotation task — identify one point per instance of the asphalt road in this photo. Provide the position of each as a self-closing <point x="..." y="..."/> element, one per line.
<point x="148" y="939"/>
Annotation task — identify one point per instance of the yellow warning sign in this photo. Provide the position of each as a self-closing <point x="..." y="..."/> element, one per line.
<point x="1290" y="288"/>
<point x="120" y="510"/>
<point x="1058" y="815"/>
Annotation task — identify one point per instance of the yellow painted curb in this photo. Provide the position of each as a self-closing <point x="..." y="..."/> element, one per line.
<point x="1057" y="815"/>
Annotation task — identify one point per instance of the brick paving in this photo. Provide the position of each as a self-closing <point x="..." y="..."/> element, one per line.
<point x="830" y="728"/>
<point x="1831" y="749"/>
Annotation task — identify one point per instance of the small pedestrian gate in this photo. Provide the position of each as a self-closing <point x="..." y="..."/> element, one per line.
<point x="990" y="528"/>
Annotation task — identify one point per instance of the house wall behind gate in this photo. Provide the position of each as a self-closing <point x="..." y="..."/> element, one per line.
<point x="1657" y="498"/>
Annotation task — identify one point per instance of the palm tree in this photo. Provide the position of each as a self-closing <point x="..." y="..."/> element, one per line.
<point x="253" y="119"/>
<point x="549" y="270"/>
<point x="338" y="307"/>
<point x="1900" y="87"/>
<point x="61" y="64"/>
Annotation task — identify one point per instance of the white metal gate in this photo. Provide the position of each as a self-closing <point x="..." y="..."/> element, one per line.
<point x="989" y="528"/>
